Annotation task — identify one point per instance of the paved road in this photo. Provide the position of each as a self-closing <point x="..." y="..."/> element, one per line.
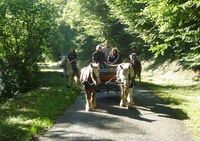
<point x="151" y="120"/>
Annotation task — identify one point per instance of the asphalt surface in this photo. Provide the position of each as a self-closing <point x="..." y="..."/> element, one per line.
<point x="151" y="120"/>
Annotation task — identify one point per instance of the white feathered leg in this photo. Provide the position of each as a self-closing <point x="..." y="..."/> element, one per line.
<point x="123" y="101"/>
<point x="130" y="98"/>
<point x="89" y="106"/>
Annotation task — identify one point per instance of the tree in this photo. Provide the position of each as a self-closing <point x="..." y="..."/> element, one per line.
<point x="92" y="19"/>
<point x="24" y="27"/>
<point x="163" y="25"/>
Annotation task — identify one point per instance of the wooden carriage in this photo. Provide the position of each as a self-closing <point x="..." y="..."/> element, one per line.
<point x="108" y="79"/>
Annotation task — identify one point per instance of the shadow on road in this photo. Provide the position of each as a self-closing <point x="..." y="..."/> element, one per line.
<point x="111" y="105"/>
<point x="109" y="120"/>
<point x="144" y="100"/>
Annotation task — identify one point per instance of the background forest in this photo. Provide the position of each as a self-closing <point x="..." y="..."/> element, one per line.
<point x="32" y="31"/>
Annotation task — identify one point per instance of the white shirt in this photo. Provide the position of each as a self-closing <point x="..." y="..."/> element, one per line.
<point x="106" y="51"/>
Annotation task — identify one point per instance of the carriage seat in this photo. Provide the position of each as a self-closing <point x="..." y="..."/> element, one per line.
<point x="107" y="73"/>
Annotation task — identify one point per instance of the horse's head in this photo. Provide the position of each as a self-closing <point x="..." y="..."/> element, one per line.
<point x="133" y="57"/>
<point x="95" y="73"/>
<point x="64" y="61"/>
<point x="125" y="74"/>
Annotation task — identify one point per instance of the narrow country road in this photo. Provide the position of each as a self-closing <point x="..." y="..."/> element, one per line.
<point x="151" y="120"/>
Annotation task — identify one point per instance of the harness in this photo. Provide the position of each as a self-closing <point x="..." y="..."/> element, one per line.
<point x="93" y="77"/>
<point x="129" y="79"/>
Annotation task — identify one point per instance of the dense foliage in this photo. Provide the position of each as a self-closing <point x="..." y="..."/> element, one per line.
<point x="27" y="116"/>
<point x="31" y="30"/>
<point x="93" y="18"/>
<point x="24" y="27"/>
<point x="162" y="26"/>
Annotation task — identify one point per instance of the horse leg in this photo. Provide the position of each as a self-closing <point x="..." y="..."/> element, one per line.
<point x="130" y="98"/>
<point x="139" y="75"/>
<point x="139" y="72"/>
<point x="72" y="82"/>
<point x="77" y="74"/>
<point x="123" y="101"/>
<point x="67" y="83"/>
<point x="94" y="100"/>
<point x="88" y="106"/>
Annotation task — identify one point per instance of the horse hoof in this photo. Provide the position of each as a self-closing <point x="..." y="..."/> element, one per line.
<point x="88" y="109"/>
<point x="122" y="105"/>
<point x="131" y="107"/>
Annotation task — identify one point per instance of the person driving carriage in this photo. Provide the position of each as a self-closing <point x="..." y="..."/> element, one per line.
<point x="98" y="56"/>
<point x="114" y="57"/>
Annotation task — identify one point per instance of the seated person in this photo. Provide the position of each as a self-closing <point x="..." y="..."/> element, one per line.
<point x="114" y="57"/>
<point x="98" y="56"/>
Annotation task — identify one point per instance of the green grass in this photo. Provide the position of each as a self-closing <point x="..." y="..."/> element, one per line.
<point x="179" y="88"/>
<point x="27" y="116"/>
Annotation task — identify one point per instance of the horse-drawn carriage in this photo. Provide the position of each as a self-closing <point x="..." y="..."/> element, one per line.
<point x="112" y="78"/>
<point x="108" y="79"/>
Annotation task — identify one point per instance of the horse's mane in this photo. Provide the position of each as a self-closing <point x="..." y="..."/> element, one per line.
<point x="87" y="70"/>
<point x="125" y="67"/>
<point x="65" y="60"/>
<point x="94" y="65"/>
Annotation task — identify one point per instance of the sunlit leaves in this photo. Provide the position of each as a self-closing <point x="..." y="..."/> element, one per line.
<point x="24" y="27"/>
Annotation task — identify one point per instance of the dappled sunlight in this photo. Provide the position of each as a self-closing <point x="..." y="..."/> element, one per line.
<point x="170" y="73"/>
<point x="29" y="114"/>
<point x="180" y="92"/>
<point x="45" y="88"/>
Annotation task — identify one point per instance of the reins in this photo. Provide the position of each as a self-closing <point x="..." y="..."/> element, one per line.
<point x="70" y="63"/>
<point x="109" y="81"/>
<point x="119" y="82"/>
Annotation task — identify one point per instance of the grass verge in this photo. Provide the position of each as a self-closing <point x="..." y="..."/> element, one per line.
<point x="27" y="116"/>
<point x="179" y="88"/>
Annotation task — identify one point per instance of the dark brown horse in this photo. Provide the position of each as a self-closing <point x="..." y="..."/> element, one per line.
<point x="90" y="78"/>
<point x="136" y="65"/>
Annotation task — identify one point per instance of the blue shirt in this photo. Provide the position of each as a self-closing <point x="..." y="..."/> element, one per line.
<point x="72" y="57"/>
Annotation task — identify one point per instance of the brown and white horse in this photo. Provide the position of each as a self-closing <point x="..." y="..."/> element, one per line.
<point x="90" y="78"/>
<point x="125" y="78"/>
<point x="69" y="73"/>
<point x="136" y="65"/>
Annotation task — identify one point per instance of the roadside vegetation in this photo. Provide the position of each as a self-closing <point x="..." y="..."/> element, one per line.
<point x="177" y="86"/>
<point x="27" y="116"/>
<point x="33" y="31"/>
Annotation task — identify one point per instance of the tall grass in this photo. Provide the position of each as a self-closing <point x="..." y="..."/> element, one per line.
<point x="177" y="86"/>
<point x="27" y="116"/>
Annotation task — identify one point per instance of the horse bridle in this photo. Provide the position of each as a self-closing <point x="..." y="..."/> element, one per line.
<point x="129" y="80"/>
<point x="93" y="77"/>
